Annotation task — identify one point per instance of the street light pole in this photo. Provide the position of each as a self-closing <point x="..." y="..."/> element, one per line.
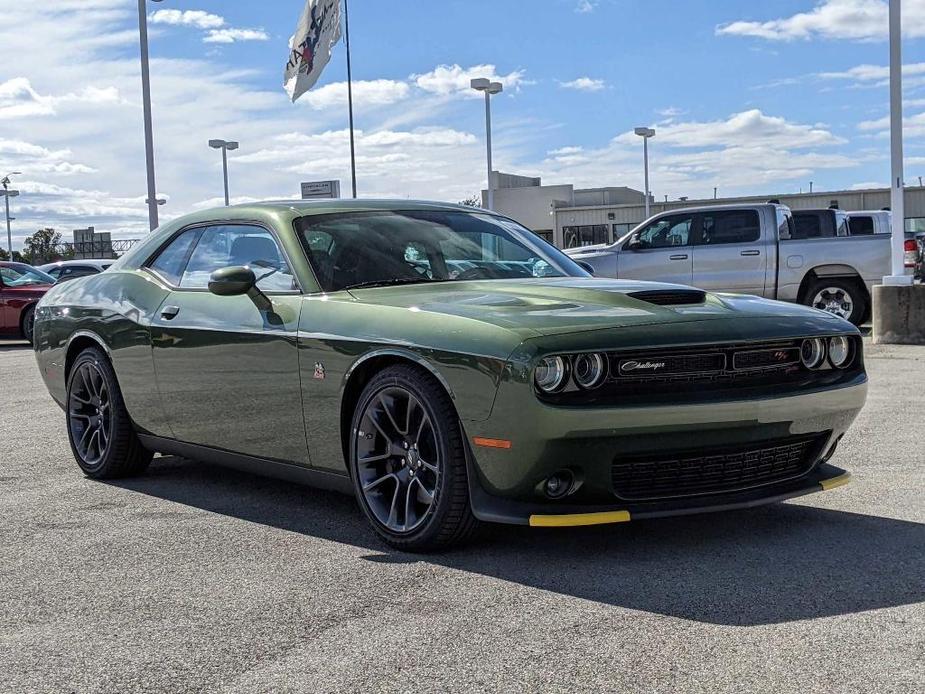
<point x="225" y="146"/>
<point x="897" y="196"/>
<point x="7" y="194"/>
<point x="146" y="107"/>
<point x="645" y="134"/>
<point x="490" y="88"/>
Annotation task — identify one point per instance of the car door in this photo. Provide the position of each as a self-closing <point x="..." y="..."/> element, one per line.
<point x="728" y="252"/>
<point x="228" y="372"/>
<point x="660" y="251"/>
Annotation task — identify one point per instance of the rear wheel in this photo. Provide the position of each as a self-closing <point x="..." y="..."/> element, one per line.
<point x="28" y="324"/>
<point x="841" y="297"/>
<point x="99" y="429"/>
<point x="408" y="461"/>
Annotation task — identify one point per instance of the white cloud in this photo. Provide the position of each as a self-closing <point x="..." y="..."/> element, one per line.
<point x="231" y="35"/>
<point x="584" y="84"/>
<point x="585" y="6"/>
<point x="193" y="18"/>
<point x="215" y="27"/>
<point x="751" y="127"/>
<point x="863" y="20"/>
<point x="446" y="80"/>
<point x="745" y="152"/>
<point x="18" y="99"/>
<point x="365" y="93"/>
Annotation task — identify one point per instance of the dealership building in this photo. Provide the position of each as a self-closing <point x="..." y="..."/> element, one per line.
<point x="567" y="216"/>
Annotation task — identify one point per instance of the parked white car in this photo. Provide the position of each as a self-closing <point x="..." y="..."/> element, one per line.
<point x="65" y="270"/>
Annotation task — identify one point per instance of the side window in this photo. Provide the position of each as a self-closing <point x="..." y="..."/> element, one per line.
<point x="738" y="226"/>
<point x="841" y="224"/>
<point x="666" y="232"/>
<point x="170" y="262"/>
<point x="74" y="271"/>
<point x="237" y="244"/>
<point x="785" y="224"/>
<point x="807" y="226"/>
<point x="54" y="272"/>
<point x="860" y="226"/>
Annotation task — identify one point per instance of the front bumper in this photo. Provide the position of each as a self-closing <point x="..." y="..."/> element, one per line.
<point x="507" y="482"/>
<point x="498" y="510"/>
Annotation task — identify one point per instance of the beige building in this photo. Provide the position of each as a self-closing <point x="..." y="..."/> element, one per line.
<point x="571" y="217"/>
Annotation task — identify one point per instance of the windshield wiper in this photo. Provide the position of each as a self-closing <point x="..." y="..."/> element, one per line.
<point x="393" y="281"/>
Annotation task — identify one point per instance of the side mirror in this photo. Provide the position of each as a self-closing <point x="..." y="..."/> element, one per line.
<point x="587" y="267"/>
<point x="232" y="281"/>
<point x="237" y="280"/>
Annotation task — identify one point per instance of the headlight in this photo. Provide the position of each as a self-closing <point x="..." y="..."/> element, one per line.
<point x="550" y="374"/>
<point x="588" y="370"/>
<point x="839" y="351"/>
<point x="812" y="352"/>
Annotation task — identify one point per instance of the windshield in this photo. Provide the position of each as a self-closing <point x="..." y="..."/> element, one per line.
<point x="20" y="275"/>
<point x="356" y="249"/>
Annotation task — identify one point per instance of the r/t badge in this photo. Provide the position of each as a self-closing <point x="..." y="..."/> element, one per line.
<point x="319" y="371"/>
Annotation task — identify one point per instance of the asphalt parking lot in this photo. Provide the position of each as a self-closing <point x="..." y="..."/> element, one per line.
<point x="196" y="578"/>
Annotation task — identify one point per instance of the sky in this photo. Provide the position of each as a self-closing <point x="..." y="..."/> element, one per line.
<point x="752" y="98"/>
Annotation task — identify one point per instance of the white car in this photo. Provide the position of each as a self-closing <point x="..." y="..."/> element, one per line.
<point x="65" y="270"/>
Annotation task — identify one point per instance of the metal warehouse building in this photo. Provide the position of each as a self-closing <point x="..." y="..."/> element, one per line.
<point x="570" y="217"/>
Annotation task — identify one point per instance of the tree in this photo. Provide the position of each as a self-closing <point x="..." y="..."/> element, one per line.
<point x="472" y="201"/>
<point x="5" y="255"/>
<point x="41" y="247"/>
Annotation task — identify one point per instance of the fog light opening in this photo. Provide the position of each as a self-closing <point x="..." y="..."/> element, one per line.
<point x="559" y="484"/>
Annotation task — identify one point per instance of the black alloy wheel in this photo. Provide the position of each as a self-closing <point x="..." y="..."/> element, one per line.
<point x="99" y="429"/>
<point x="408" y="462"/>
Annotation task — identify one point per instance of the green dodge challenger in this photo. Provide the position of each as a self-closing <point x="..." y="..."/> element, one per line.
<point x="447" y="367"/>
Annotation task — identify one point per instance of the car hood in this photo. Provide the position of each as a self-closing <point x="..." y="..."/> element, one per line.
<point x="552" y="306"/>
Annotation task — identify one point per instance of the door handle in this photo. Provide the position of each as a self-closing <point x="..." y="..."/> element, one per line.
<point x="752" y="252"/>
<point x="678" y="257"/>
<point x="170" y="312"/>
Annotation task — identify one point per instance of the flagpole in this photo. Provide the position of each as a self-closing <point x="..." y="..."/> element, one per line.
<point x="353" y="163"/>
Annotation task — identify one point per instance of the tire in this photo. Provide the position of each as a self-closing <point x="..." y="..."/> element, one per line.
<point x="403" y="453"/>
<point x="825" y="294"/>
<point x="27" y="324"/>
<point x="94" y="403"/>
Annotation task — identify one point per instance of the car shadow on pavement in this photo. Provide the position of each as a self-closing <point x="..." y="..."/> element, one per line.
<point x="14" y="346"/>
<point x="762" y="566"/>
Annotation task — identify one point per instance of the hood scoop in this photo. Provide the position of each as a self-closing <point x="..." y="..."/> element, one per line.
<point x="670" y="297"/>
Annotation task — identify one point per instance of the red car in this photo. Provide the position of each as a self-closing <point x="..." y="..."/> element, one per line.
<point x="21" y="287"/>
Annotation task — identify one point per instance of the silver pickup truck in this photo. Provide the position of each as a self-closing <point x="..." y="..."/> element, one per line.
<point x="749" y="249"/>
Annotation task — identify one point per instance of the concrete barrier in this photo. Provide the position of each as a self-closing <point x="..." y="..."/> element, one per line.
<point x="899" y="315"/>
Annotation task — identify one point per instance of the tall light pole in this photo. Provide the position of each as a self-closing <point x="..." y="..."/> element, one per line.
<point x="645" y="134"/>
<point x="225" y="146"/>
<point x="151" y="200"/>
<point x="7" y="194"/>
<point x="481" y="84"/>
<point x="897" y="197"/>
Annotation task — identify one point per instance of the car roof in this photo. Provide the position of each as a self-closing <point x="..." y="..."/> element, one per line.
<point x="327" y="206"/>
<point x="731" y="206"/>
<point x="80" y="261"/>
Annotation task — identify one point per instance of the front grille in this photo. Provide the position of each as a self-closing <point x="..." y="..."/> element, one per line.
<point x="677" y="375"/>
<point x="715" y="470"/>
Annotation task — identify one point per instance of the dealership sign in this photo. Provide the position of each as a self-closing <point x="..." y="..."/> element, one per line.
<point x="320" y="189"/>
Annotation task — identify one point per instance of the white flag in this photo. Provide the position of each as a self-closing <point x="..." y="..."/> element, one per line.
<point x="318" y="31"/>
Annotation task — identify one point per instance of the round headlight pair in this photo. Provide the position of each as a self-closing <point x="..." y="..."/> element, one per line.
<point x="813" y="352"/>
<point x="587" y="370"/>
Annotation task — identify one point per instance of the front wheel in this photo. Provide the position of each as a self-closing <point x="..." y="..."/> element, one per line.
<point x="841" y="297"/>
<point x="408" y="461"/>
<point x="100" y="432"/>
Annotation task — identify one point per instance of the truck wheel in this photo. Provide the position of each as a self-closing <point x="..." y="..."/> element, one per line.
<point x="842" y="297"/>
<point x="99" y="429"/>
<point x="408" y="461"/>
